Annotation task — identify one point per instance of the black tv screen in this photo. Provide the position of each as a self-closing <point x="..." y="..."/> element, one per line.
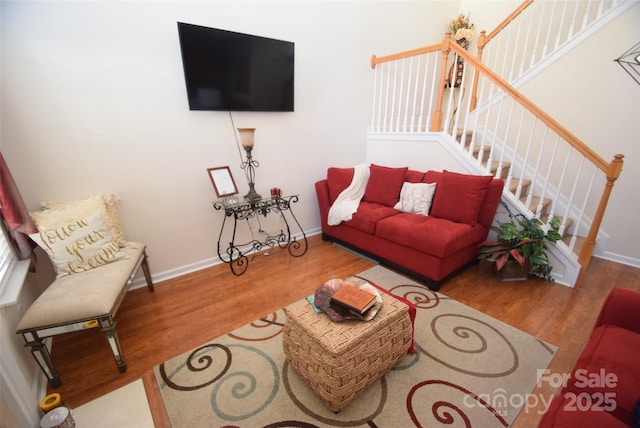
<point x="229" y="71"/>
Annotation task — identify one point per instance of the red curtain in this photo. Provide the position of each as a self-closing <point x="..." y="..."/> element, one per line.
<point x="14" y="211"/>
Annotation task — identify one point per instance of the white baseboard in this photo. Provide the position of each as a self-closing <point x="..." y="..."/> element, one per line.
<point x="618" y="258"/>
<point x="194" y="267"/>
<point x="203" y="264"/>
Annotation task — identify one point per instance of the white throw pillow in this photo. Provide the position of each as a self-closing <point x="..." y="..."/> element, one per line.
<point x="105" y="202"/>
<point x="75" y="244"/>
<point x="416" y="198"/>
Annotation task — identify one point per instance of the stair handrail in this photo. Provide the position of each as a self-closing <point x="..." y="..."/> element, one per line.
<point x="486" y="38"/>
<point x="611" y="169"/>
<point x="448" y="45"/>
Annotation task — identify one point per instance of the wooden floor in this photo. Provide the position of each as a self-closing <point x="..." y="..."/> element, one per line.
<point x="185" y="312"/>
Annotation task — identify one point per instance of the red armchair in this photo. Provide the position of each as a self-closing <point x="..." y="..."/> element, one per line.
<point x="604" y="387"/>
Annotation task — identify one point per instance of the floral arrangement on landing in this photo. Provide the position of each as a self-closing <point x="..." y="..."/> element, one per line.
<point x="461" y="28"/>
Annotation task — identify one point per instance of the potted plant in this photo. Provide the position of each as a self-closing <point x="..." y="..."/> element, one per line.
<point x="520" y="247"/>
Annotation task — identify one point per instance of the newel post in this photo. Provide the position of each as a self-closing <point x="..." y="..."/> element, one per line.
<point x="482" y="40"/>
<point x="436" y="123"/>
<point x="613" y="172"/>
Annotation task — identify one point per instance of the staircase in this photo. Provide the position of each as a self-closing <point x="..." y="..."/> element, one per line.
<point x="491" y="128"/>
<point x="538" y="205"/>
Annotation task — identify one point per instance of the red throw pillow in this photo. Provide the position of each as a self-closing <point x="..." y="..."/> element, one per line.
<point x="384" y="185"/>
<point x="413" y="176"/>
<point x="459" y="197"/>
<point x="338" y="179"/>
<point x="412" y="313"/>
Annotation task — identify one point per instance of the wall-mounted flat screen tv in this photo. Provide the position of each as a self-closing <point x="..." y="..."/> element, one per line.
<point x="229" y="71"/>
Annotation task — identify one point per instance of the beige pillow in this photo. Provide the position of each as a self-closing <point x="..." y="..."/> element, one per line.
<point x="416" y="198"/>
<point x="105" y="203"/>
<point x="74" y="243"/>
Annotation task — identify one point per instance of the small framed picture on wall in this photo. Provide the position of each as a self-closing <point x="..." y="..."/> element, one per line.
<point x="223" y="182"/>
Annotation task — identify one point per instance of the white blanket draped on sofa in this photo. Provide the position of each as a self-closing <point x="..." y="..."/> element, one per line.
<point x="346" y="204"/>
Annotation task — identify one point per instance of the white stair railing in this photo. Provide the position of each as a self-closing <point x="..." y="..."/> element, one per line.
<point x="548" y="172"/>
<point x="538" y="31"/>
<point x="399" y="110"/>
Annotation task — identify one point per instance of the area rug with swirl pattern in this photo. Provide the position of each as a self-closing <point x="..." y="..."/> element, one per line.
<point x="469" y="370"/>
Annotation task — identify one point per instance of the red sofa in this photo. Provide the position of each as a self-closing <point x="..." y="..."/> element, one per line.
<point x="603" y="389"/>
<point x="429" y="247"/>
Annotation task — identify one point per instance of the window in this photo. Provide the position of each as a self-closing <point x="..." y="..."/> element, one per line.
<point x="7" y="258"/>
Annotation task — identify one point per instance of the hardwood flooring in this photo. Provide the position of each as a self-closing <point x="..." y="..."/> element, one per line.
<point x="187" y="311"/>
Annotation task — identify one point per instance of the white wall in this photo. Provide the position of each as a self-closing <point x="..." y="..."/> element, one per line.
<point x="22" y="385"/>
<point x="93" y="100"/>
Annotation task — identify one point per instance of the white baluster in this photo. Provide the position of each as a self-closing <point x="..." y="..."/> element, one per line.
<point x="433" y="90"/>
<point x="423" y="92"/>
<point x="526" y="45"/>
<point x="405" y="126"/>
<point x="515" y="54"/>
<point x="516" y="149"/>
<point x="372" y="126"/>
<point x="573" y="21"/>
<point x="545" y="50"/>
<point x="495" y="133"/>
<point x="600" y="8"/>
<point x="383" y="78"/>
<point x="583" y="210"/>
<point x="562" y="21"/>
<point x="543" y="194"/>
<point x="505" y="49"/>
<point x="386" y="101"/>
<point x="538" y="167"/>
<point x="467" y="110"/>
<point x="538" y="43"/>
<point x="563" y="176"/>
<point x="472" y="143"/>
<point x="505" y="139"/>
<point x="587" y="13"/>
<point x="393" y="97"/>
<point x="486" y="127"/>
<point x="415" y="95"/>
<point x="397" y="98"/>
<point x="525" y="162"/>
<point x="571" y="197"/>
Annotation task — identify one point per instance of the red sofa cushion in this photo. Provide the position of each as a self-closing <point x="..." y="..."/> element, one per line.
<point x="384" y="185"/>
<point x="562" y="414"/>
<point x="338" y="179"/>
<point x="413" y="176"/>
<point x="368" y="215"/>
<point x="491" y="202"/>
<point x="621" y="309"/>
<point x="445" y="237"/>
<point x="610" y="351"/>
<point x="459" y="197"/>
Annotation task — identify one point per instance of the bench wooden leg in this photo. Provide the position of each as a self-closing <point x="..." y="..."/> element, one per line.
<point x="147" y="274"/>
<point x="109" y="329"/>
<point x="43" y="358"/>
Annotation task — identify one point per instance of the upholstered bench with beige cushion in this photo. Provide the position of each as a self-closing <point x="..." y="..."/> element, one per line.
<point x="89" y="287"/>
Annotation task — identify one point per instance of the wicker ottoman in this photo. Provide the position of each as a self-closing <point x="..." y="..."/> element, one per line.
<point x="340" y="360"/>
